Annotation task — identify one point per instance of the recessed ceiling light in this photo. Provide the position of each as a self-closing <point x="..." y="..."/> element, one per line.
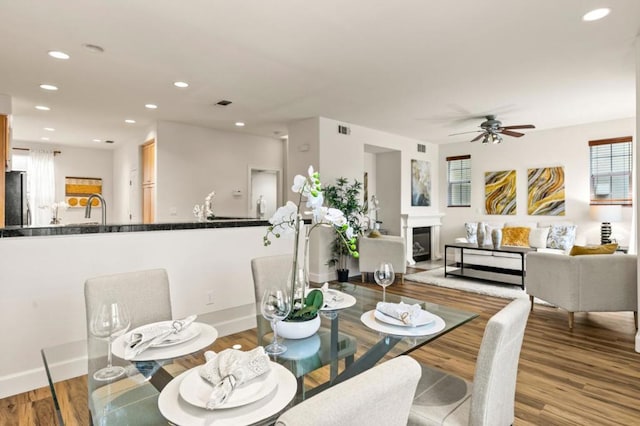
<point x="50" y="129"/>
<point x="596" y="14"/>
<point x="239" y="124"/>
<point x="181" y="84"/>
<point x="129" y="121"/>
<point x="151" y="106"/>
<point x="58" y="54"/>
<point x="44" y="138"/>
<point x="48" y="87"/>
<point x="42" y="108"/>
<point x="97" y="140"/>
<point x="93" y="48"/>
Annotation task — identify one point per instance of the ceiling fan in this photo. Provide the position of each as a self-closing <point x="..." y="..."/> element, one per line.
<point x="492" y="129"/>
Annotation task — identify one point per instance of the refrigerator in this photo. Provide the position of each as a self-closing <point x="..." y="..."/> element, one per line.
<point x="16" y="206"/>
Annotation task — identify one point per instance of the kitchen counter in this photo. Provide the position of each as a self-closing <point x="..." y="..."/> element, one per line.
<point x="73" y="229"/>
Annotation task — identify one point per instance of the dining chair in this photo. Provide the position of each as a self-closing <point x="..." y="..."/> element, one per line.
<point x="381" y="395"/>
<point x="269" y="271"/>
<point x="446" y="399"/>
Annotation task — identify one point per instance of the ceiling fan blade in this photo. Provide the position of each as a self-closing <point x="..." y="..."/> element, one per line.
<point x="477" y="138"/>
<point x="521" y="126"/>
<point x="510" y="133"/>
<point x="464" y="133"/>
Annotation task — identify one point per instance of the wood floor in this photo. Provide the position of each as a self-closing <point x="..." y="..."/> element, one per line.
<point x="588" y="376"/>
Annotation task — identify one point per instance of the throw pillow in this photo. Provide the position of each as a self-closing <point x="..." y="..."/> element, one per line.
<point x="516" y="236"/>
<point x="374" y="234"/>
<point x="488" y="240"/>
<point x="538" y="237"/>
<point x="561" y="237"/>
<point x="472" y="232"/>
<point x="601" y="249"/>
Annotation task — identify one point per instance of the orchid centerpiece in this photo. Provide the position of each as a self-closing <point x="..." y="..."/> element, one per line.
<point x="288" y="220"/>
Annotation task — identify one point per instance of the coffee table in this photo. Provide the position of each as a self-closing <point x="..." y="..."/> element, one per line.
<point x="459" y="268"/>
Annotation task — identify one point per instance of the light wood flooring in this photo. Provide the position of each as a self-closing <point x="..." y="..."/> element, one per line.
<point x="588" y="376"/>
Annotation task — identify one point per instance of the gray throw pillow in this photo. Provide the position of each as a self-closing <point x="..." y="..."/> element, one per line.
<point x="561" y="237"/>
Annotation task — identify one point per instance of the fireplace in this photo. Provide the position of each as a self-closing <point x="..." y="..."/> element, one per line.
<point x="422" y="244"/>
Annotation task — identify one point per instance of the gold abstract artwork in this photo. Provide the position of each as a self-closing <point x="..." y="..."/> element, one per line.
<point x="500" y="192"/>
<point x="546" y="191"/>
<point x="78" y="189"/>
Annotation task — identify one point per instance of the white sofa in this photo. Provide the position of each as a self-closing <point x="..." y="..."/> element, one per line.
<point x="538" y="240"/>
<point x="589" y="283"/>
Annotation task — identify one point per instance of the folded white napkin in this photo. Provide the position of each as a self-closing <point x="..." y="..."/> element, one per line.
<point x="330" y="297"/>
<point x="231" y="368"/>
<point x="404" y="312"/>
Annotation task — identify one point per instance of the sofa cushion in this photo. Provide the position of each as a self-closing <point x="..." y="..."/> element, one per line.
<point x="538" y="237"/>
<point x="516" y="236"/>
<point x="601" y="249"/>
<point x="561" y="237"/>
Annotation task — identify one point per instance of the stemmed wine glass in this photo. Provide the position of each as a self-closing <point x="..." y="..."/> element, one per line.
<point x="384" y="276"/>
<point x="109" y="321"/>
<point x="275" y="306"/>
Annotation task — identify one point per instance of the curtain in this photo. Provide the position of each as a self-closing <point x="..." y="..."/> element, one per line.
<point x="42" y="188"/>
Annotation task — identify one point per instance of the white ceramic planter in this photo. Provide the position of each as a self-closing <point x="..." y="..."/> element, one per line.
<point x="298" y="330"/>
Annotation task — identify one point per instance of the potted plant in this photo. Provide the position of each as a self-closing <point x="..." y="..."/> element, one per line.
<point x="345" y="197"/>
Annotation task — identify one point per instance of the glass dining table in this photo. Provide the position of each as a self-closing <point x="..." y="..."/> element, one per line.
<point x="351" y="340"/>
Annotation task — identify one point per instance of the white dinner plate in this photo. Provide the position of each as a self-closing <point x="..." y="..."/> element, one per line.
<point x="173" y="339"/>
<point x="206" y="336"/>
<point x="179" y="412"/>
<point x="340" y="300"/>
<point x="424" y="318"/>
<point x="369" y="319"/>
<point x="196" y="390"/>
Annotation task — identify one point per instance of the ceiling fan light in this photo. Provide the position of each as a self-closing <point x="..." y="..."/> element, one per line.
<point x="486" y="138"/>
<point x="496" y="138"/>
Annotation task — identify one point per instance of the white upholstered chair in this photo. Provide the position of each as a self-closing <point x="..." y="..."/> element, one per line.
<point x="587" y="283"/>
<point x="389" y="248"/>
<point x="446" y="399"/>
<point x="381" y="395"/>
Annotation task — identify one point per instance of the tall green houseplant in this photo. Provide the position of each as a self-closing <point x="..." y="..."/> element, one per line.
<point x="345" y="196"/>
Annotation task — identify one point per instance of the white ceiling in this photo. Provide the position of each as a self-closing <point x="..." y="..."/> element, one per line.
<point x="418" y="68"/>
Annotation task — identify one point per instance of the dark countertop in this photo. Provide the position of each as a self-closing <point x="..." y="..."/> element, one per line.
<point x="75" y="229"/>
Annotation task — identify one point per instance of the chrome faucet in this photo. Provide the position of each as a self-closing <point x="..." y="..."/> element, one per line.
<point x="103" y="206"/>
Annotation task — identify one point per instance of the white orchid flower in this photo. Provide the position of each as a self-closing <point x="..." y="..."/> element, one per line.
<point x="335" y="217"/>
<point x="349" y="233"/>
<point x="315" y="202"/>
<point x="284" y="219"/>
<point x="299" y="184"/>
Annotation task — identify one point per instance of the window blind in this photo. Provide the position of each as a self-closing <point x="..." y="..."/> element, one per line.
<point x="611" y="170"/>
<point x="459" y="181"/>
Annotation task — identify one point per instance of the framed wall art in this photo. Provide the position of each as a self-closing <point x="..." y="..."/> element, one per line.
<point x="420" y="183"/>
<point x="545" y="191"/>
<point x="500" y="192"/>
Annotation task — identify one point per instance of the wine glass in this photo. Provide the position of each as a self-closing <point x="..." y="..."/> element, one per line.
<point x="109" y="321"/>
<point x="384" y="276"/>
<point x="275" y="306"/>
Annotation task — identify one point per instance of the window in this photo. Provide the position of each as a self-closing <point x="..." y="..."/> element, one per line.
<point x="611" y="170"/>
<point x="459" y="179"/>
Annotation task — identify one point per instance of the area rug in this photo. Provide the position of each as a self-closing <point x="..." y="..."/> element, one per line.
<point x="436" y="277"/>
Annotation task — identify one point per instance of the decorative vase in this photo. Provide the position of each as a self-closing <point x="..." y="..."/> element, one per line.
<point x="298" y="329"/>
<point x="480" y="234"/>
<point x="496" y="238"/>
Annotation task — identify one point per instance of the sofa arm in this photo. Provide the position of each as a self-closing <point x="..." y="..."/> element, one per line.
<point x="384" y="248"/>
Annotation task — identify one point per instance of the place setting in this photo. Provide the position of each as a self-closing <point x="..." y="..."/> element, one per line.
<point x="233" y="387"/>
<point x="164" y="340"/>
<point x="335" y="300"/>
<point x="400" y="319"/>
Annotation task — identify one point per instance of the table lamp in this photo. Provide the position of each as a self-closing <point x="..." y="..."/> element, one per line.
<point x="606" y="213"/>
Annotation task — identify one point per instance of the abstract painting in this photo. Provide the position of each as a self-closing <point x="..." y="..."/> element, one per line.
<point x="78" y="189"/>
<point x="545" y="194"/>
<point x="500" y="192"/>
<point x="420" y="183"/>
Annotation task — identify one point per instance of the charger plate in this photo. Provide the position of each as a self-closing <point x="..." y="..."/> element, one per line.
<point x="369" y="319"/>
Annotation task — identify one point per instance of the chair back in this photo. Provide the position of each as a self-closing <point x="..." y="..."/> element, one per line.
<point x="494" y="383"/>
<point x="270" y="271"/>
<point x="381" y="395"/>
<point x="146" y="294"/>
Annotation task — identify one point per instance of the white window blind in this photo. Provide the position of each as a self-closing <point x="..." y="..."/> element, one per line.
<point x="611" y="170"/>
<point x="459" y="181"/>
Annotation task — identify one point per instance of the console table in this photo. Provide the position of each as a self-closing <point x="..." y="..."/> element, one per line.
<point x="481" y="272"/>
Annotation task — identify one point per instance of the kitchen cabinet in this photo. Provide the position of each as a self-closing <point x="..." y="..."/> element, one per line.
<point x="149" y="181"/>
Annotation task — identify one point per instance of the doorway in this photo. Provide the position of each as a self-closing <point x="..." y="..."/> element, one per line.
<point x="264" y="186"/>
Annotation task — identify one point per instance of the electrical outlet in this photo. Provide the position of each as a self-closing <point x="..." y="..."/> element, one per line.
<point x="210" y="298"/>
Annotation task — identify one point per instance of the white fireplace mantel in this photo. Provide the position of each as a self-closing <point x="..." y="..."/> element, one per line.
<point x="410" y="221"/>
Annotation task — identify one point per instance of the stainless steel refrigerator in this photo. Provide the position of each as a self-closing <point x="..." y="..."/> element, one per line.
<point x="16" y="205"/>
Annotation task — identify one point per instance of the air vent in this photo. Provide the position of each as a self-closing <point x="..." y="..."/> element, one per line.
<point x="344" y="130"/>
<point x="422" y="147"/>
<point x="108" y="141"/>
<point x="223" y="103"/>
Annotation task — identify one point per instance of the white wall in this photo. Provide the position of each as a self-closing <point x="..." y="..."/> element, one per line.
<point x="42" y="303"/>
<point x="389" y="178"/>
<point x="193" y="161"/>
<point x="79" y="162"/>
<point x="567" y="147"/>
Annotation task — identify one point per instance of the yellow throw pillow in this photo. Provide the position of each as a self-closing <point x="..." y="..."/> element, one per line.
<point x="516" y="236"/>
<point x="374" y="234"/>
<point x="602" y="249"/>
